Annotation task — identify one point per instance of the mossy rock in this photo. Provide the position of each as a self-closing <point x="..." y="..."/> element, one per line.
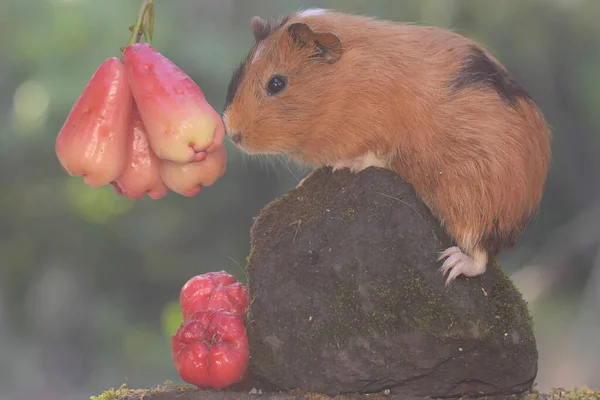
<point x="345" y="297"/>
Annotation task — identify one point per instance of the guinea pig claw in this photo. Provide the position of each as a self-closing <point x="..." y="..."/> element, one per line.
<point x="458" y="263"/>
<point x="450" y="263"/>
<point x="454" y="273"/>
<point x="448" y="252"/>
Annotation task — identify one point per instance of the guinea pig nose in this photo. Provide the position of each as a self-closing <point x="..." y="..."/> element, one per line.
<point x="236" y="137"/>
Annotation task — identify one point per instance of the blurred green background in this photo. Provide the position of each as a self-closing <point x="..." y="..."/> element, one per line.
<point x="89" y="281"/>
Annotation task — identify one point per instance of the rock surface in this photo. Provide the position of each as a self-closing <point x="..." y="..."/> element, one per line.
<point x="345" y="297"/>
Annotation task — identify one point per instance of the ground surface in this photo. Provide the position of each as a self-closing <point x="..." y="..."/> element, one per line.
<point x="173" y="392"/>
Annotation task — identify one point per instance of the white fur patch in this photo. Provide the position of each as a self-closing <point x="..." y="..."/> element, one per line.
<point x="371" y="160"/>
<point x="224" y="118"/>
<point x="258" y="52"/>
<point x="311" y="12"/>
<point x="364" y="162"/>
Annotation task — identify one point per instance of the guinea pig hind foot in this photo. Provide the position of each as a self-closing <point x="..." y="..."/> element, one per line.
<point x="458" y="263"/>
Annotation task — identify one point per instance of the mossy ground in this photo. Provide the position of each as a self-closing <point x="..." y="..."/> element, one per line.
<point x="176" y="392"/>
<point x="583" y="393"/>
<point x="123" y="392"/>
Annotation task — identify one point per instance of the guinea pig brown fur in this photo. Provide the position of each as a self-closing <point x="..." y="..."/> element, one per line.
<point x="332" y="89"/>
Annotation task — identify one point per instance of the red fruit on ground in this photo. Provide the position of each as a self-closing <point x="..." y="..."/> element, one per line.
<point x="181" y="124"/>
<point x="213" y="291"/>
<point x="92" y="141"/>
<point x="211" y="349"/>
<point x="187" y="179"/>
<point x="142" y="171"/>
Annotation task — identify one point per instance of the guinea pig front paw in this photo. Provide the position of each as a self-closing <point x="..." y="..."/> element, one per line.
<point x="458" y="263"/>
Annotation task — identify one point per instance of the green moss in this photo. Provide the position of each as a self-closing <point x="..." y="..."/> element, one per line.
<point x="509" y="307"/>
<point x="248" y="283"/>
<point x="249" y="257"/>
<point x="346" y="315"/>
<point x="350" y="213"/>
<point x="584" y="393"/>
<point x="413" y="303"/>
<point x="122" y="392"/>
<point x="274" y="202"/>
<point x="112" y="394"/>
<point x="408" y="302"/>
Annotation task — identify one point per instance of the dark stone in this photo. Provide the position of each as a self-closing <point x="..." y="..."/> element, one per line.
<point x="345" y="297"/>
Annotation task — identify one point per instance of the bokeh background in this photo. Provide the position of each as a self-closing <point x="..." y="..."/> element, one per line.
<point x="89" y="281"/>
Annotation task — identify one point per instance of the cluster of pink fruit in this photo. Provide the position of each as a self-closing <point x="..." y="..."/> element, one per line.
<point x="210" y="348"/>
<point x="143" y="126"/>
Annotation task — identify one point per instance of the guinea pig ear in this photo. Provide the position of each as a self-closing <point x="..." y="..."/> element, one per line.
<point x="260" y="28"/>
<point x="327" y="45"/>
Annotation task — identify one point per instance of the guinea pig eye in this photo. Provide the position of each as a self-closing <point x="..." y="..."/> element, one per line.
<point x="276" y="84"/>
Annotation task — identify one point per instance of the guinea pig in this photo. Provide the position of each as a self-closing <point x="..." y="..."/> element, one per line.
<point x="327" y="88"/>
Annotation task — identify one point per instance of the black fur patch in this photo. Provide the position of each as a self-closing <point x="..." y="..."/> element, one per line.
<point x="270" y="27"/>
<point x="238" y="73"/>
<point x="479" y="70"/>
<point x="234" y="83"/>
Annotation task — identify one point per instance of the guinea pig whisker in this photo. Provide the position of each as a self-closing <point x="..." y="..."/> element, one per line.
<point x="244" y="162"/>
<point x="262" y="160"/>
<point x="286" y="163"/>
<point x="271" y="162"/>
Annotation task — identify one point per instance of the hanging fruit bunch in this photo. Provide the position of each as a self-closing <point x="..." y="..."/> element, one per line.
<point x="143" y="125"/>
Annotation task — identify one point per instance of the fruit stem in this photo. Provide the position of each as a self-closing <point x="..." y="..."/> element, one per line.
<point x="144" y="25"/>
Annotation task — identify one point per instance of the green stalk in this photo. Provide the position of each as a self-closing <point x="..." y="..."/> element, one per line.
<point x="144" y="25"/>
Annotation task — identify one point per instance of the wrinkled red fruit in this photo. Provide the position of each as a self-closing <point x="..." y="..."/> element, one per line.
<point x="187" y="179"/>
<point x="181" y="124"/>
<point x="211" y="349"/>
<point x="92" y="141"/>
<point x="142" y="171"/>
<point x="213" y="291"/>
